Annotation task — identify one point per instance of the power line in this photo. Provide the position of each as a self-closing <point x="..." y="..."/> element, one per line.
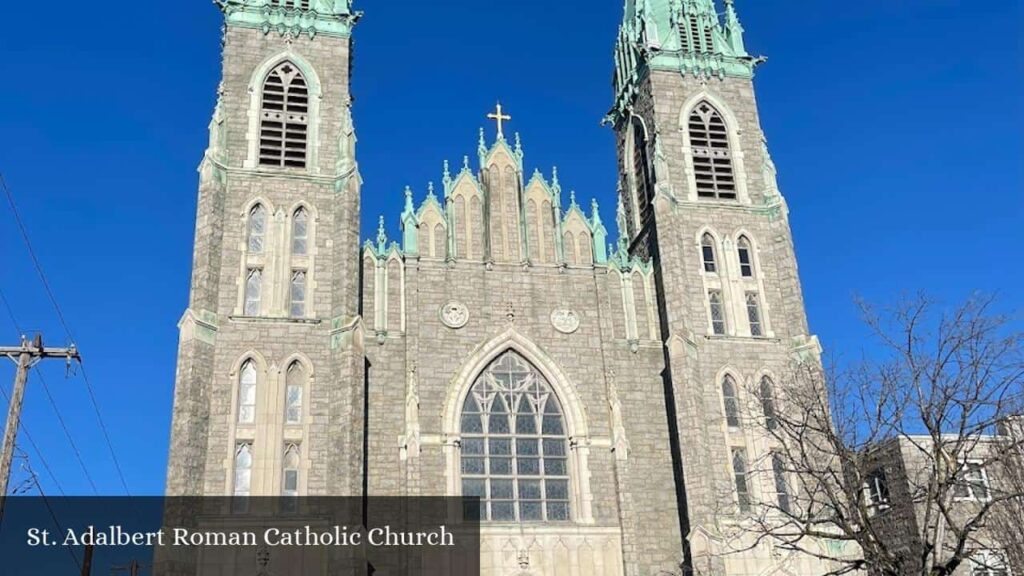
<point x="53" y="515"/>
<point x="67" y="330"/>
<point x="67" y="433"/>
<point x="39" y="453"/>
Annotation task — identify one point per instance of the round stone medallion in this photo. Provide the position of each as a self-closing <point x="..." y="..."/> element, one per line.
<point x="565" y="321"/>
<point x="455" y="315"/>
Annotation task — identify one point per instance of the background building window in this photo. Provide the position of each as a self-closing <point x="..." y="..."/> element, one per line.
<point x="284" y="118"/>
<point x="877" y="490"/>
<point x="707" y="252"/>
<point x="972" y="483"/>
<point x="295" y="388"/>
<point x="732" y="402"/>
<point x="253" y="291"/>
<point x="247" y="393"/>
<point x="515" y="445"/>
<point x="717" y="312"/>
<point x="712" y="158"/>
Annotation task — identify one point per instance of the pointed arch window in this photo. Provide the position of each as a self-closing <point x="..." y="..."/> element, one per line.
<point x="253" y="291"/>
<point x="247" y="381"/>
<point x="717" y="312"/>
<point x="746" y="256"/>
<point x="712" y="157"/>
<point x="781" y="483"/>
<point x="257" y="229"/>
<point x="739" y="470"/>
<point x="643" y="181"/>
<point x="290" y="473"/>
<point x="767" y="397"/>
<point x="295" y="391"/>
<point x="284" y="118"/>
<point x="754" y="314"/>
<point x="298" y="294"/>
<point x="243" y="469"/>
<point x="515" y="445"/>
<point x="708" y="255"/>
<point x="731" y="402"/>
<point x="300" y="232"/>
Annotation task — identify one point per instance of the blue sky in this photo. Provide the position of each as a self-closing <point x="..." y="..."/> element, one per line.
<point x="896" y="126"/>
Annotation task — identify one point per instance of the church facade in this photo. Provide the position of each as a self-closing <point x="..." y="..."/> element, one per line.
<point x="598" y="398"/>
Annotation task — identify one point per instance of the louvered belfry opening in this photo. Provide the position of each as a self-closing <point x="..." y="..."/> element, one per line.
<point x="642" y="175"/>
<point x="712" y="159"/>
<point x="284" y="118"/>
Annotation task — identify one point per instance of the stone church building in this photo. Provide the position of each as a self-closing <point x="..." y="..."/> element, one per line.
<point x="593" y="395"/>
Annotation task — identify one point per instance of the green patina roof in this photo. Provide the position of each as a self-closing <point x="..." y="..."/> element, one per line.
<point x="685" y="36"/>
<point x="327" y="17"/>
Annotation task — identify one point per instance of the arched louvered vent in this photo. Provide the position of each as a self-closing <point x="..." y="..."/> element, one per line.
<point x="284" y="118"/>
<point x="300" y="4"/>
<point x="712" y="157"/>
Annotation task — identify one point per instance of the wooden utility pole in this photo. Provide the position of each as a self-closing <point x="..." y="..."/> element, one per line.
<point x="87" y="563"/>
<point x="132" y="569"/>
<point x="25" y="356"/>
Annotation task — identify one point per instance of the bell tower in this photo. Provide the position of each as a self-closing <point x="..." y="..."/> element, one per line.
<point x="699" y="199"/>
<point x="269" y="386"/>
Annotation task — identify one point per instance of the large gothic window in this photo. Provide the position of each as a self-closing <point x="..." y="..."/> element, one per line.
<point x="247" y="379"/>
<point x="643" y="180"/>
<point x="284" y="118"/>
<point x="515" y="445"/>
<point x="712" y="158"/>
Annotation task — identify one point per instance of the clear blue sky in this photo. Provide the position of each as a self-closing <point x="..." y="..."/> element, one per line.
<point x="896" y="126"/>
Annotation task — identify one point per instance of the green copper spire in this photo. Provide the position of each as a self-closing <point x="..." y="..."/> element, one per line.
<point x="410" y="225"/>
<point x="382" y="238"/>
<point x="600" y="234"/>
<point x="327" y="17"/>
<point x="683" y="36"/>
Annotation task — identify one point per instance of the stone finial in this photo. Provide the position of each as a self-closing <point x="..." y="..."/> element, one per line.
<point x="519" y="146"/>
<point x="572" y="199"/>
<point x="595" y="213"/>
<point x="465" y="163"/>
<point x="430" y="191"/>
<point x="482" y="145"/>
<point x="408" y="199"/>
<point x="447" y="178"/>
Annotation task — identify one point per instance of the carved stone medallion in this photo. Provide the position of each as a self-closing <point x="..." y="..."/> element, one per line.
<point x="455" y="315"/>
<point x="565" y="321"/>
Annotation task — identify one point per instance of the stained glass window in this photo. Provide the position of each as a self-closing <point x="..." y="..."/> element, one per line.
<point x="515" y="445"/>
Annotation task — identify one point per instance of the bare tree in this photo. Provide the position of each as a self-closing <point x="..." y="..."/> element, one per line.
<point x="893" y="456"/>
<point x="1007" y="523"/>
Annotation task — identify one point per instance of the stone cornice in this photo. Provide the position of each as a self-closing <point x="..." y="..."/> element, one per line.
<point x="327" y="17"/>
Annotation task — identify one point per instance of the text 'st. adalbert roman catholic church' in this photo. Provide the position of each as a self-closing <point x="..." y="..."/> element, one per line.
<point x="589" y="393"/>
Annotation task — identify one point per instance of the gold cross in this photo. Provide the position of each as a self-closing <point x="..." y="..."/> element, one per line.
<point x="499" y="117"/>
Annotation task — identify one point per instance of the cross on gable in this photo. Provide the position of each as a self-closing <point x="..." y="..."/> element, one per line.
<point x="499" y="118"/>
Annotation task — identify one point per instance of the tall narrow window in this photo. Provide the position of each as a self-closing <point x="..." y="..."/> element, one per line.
<point x="739" y="470"/>
<point x="294" y="393"/>
<point x="257" y="229"/>
<point x="300" y="232"/>
<point x="754" y="314"/>
<point x="732" y="402"/>
<point x="717" y="312"/>
<point x="298" y="294"/>
<point x="284" y="118"/>
<point x="642" y="179"/>
<point x="243" y="469"/>
<point x="247" y="393"/>
<point x="290" y="478"/>
<point x="712" y="158"/>
<point x="515" y="445"/>
<point x="253" y="291"/>
<point x="781" y="484"/>
<point x="876" y="489"/>
<point x="707" y="252"/>
<point x="746" y="257"/>
<point x="767" y="393"/>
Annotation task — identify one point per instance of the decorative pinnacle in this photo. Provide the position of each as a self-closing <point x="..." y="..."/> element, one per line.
<point x="447" y="173"/>
<point x="595" y="213"/>
<point x="483" y="142"/>
<point x="382" y="236"/>
<point x="430" y="191"/>
<point x="554" y="178"/>
<point x="519" y="146"/>
<point x="572" y="199"/>
<point x="408" y="200"/>
<point x="465" y="163"/>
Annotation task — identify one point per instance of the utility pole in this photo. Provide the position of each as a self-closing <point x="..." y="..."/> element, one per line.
<point x="87" y="563"/>
<point x="25" y="356"/>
